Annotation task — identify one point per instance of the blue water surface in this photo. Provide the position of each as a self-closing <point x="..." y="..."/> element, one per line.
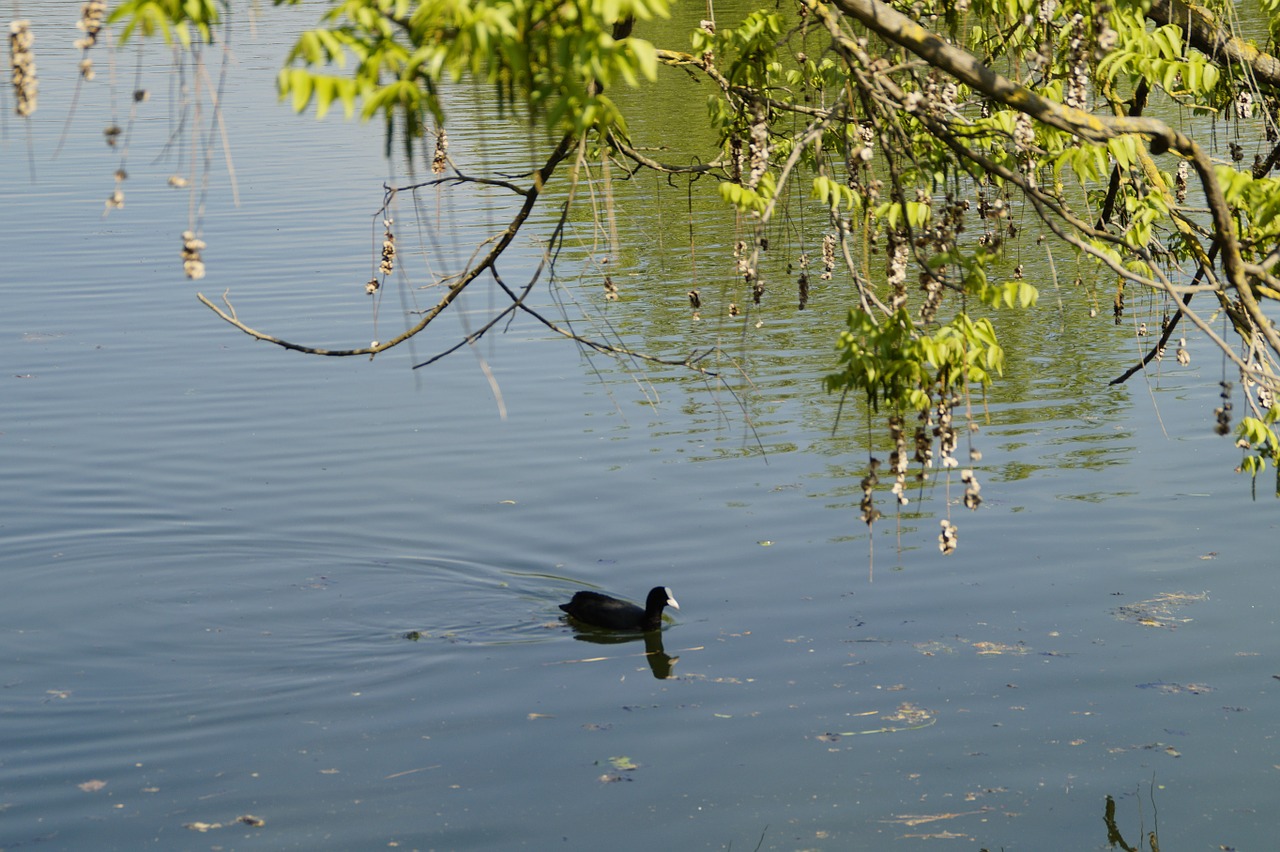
<point x="321" y="593"/>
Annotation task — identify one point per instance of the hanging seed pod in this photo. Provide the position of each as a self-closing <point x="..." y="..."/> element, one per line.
<point x="1104" y="37"/>
<point x="442" y="152"/>
<point x="388" y="263"/>
<point x="92" y="15"/>
<point x="932" y="288"/>
<point x="896" y="272"/>
<point x="758" y="144"/>
<point x="898" y="459"/>
<point x="1244" y="105"/>
<point x="695" y="301"/>
<point x="372" y="286"/>
<point x="947" y="538"/>
<point x="610" y="289"/>
<point x="870" y="514"/>
<point x="22" y="61"/>
<point x="828" y="256"/>
<point x="972" y="500"/>
<point x="735" y="159"/>
<point x="1223" y="413"/>
<point x="924" y="448"/>
<point x="192" y="262"/>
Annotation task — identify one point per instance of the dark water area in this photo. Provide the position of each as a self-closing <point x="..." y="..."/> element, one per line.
<point x="323" y="592"/>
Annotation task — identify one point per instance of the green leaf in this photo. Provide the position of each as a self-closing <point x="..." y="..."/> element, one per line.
<point x="300" y="89"/>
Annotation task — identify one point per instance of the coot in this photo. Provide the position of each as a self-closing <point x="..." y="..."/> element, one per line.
<point x="603" y="611"/>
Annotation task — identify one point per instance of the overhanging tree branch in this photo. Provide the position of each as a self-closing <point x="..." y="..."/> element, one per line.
<point x="531" y="195"/>
<point x="896" y="28"/>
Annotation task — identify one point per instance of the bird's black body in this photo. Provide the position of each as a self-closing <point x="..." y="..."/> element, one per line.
<point x="612" y="614"/>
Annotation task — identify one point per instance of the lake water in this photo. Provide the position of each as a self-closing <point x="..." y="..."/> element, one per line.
<point x="215" y="550"/>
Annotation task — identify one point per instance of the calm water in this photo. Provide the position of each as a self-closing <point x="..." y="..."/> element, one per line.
<point x="214" y="549"/>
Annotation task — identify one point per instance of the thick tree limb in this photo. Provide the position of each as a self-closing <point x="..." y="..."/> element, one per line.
<point x="1211" y="38"/>
<point x="896" y="28"/>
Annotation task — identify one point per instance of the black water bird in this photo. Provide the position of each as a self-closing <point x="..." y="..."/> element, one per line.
<point x="603" y="611"/>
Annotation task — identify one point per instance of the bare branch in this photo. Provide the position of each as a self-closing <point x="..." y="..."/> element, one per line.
<point x="531" y="196"/>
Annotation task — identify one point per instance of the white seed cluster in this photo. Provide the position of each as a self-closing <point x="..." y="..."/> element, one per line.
<point x="22" y="61"/>
<point x="92" y="15"/>
<point x="1244" y="105"/>
<point x="939" y="95"/>
<point x="759" y="144"/>
<point x="1024" y="132"/>
<point x="947" y="436"/>
<point x="442" y="153"/>
<point x="744" y="262"/>
<point x="1180" y="181"/>
<point x="388" y="264"/>
<point x="1104" y="37"/>
<point x="947" y="538"/>
<point x="870" y="514"/>
<point x="897" y="273"/>
<point x="972" y="500"/>
<point x="924" y="446"/>
<point x="192" y="263"/>
<point x="898" y="459"/>
<point x="828" y="256"/>
<point x="932" y="287"/>
<point x="1077" y="94"/>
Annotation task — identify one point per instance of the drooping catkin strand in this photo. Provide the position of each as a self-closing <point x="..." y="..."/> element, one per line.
<point x="22" y="61"/>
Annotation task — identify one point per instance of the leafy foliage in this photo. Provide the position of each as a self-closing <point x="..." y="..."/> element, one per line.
<point x="173" y="20"/>
<point x="895" y="365"/>
<point x="555" y="59"/>
<point x="926" y="139"/>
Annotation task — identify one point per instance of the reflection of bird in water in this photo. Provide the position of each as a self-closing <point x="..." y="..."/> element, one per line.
<point x="600" y="610"/>
<point x="660" y="662"/>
